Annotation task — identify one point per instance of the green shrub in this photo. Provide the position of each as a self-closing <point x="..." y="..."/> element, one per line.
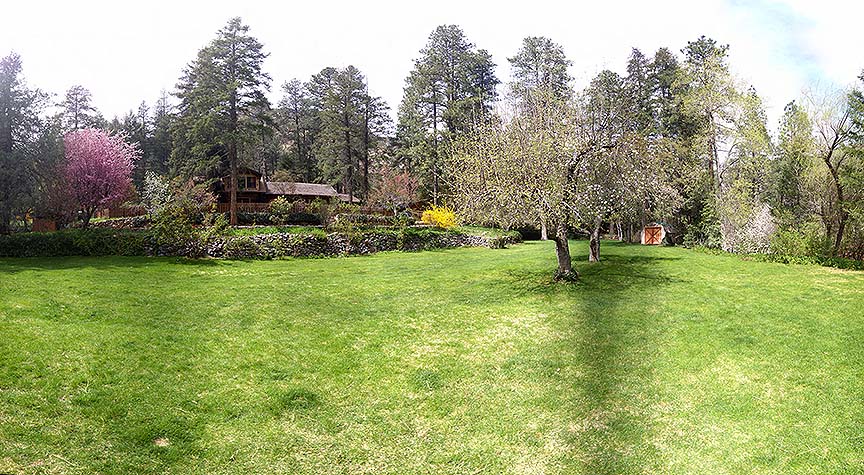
<point x="441" y="217"/>
<point x="803" y="239"/>
<point x="266" y="219"/>
<point x="243" y="247"/>
<point x="173" y="226"/>
<point x="280" y="210"/>
<point x="76" y="242"/>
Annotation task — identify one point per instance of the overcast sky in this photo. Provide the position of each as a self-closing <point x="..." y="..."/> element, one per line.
<point x="128" y="52"/>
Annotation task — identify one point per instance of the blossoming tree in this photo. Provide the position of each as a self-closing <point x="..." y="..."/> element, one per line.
<point x="395" y="190"/>
<point x="97" y="170"/>
<point x="568" y="164"/>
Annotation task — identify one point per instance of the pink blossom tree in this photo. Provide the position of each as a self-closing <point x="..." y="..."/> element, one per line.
<point x="97" y="170"/>
<point x="396" y="190"/>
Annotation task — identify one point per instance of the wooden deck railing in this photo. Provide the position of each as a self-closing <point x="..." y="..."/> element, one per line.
<point x="244" y="207"/>
<point x="121" y="212"/>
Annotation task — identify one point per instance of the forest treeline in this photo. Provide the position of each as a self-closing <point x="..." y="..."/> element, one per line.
<point x="722" y="179"/>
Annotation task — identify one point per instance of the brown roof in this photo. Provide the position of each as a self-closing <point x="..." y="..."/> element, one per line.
<point x="299" y="189"/>
<point x="344" y="197"/>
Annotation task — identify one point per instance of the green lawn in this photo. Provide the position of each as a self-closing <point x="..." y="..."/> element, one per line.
<point x="465" y="361"/>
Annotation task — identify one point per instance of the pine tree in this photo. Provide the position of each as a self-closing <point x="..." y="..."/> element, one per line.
<point x="339" y="145"/>
<point x="160" y="142"/>
<point x="21" y="131"/>
<point x="298" y="122"/>
<point x="78" y="110"/>
<point x="136" y="128"/>
<point x="709" y="98"/>
<point x="451" y="87"/>
<point x="223" y="106"/>
<point x="640" y="87"/>
<point x="540" y="65"/>
<point x="376" y="131"/>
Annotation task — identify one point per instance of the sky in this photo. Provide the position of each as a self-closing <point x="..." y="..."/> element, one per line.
<point x="128" y="52"/>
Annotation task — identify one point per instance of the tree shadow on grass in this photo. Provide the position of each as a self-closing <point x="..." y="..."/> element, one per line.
<point x="22" y="264"/>
<point x="611" y="340"/>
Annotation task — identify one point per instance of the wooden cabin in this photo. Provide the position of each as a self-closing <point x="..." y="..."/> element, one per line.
<point x="254" y="193"/>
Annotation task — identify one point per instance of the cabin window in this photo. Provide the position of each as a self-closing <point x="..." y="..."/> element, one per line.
<point x="247" y="182"/>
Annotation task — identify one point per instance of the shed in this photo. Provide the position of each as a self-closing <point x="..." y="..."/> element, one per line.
<point x="653" y="234"/>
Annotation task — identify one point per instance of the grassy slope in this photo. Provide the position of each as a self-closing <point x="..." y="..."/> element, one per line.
<point x="463" y="361"/>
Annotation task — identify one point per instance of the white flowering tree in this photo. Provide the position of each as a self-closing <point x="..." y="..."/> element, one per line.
<point x="155" y="192"/>
<point x="560" y="163"/>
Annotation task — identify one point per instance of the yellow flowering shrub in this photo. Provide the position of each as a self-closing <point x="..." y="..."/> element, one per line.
<point x="441" y="217"/>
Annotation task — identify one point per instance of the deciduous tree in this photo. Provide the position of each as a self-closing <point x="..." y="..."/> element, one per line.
<point x="831" y="115"/>
<point x="395" y="189"/>
<point x="97" y="171"/>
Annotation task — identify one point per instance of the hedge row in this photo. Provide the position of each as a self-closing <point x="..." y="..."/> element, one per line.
<point x="264" y="218"/>
<point x="824" y="261"/>
<point x="270" y="246"/>
<point x="102" y="242"/>
<point x="78" y="242"/>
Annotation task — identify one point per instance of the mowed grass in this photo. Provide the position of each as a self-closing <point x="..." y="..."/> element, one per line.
<point x="465" y="361"/>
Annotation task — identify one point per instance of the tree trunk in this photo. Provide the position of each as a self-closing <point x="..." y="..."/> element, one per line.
<point x="366" y="153"/>
<point x="842" y="215"/>
<point x="841" y="228"/>
<point x="714" y="160"/>
<point x="232" y="152"/>
<point x="349" y="162"/>
<point x="86" y="216"/>
<point x="594" y="243"/>
<point x="5" y="218"/>
<point x="435" y="154"/>
<point x="562" y="250"/>
<point x="544" y="235"/>
<point x="233" y="124"/>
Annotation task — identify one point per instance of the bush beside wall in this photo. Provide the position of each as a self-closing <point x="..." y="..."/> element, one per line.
<point x="132" y="222"/>
<point x="103" y="242"/>
<point x="77" y="242"/>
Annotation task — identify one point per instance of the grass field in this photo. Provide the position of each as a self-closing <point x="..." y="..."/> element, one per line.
<point x="465" y="361"/>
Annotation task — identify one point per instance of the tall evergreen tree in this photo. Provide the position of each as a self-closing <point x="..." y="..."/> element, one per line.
<point x="665" y="73"/>
<point x="223" y="106"/>
<point x="135" y="126"/>
<point x="352" y="124"/>
<point x="298" y="123"/>
<point x="540" y="72"/>
<point x="78" y="110"/>
<point x="376" y="131"/>
<point x="339" y="144"/>
<point x="21" y="130"/>
<point x="160" y="142"/>
<point x="709" y="97"/>
<point x="451" y="86"/>
<point x="640" y="88"/>
<point x="795" y="151"/>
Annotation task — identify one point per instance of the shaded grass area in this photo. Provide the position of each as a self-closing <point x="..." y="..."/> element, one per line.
<point x="660" y="360"/>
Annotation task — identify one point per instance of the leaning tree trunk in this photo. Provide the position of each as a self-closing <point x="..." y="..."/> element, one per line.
<point x="842" y="216"/>
<point x="562" y="250"/>
<point x="544" y="235"/>
<point x="594" y="243"/>
<point x="841" y="229"/>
